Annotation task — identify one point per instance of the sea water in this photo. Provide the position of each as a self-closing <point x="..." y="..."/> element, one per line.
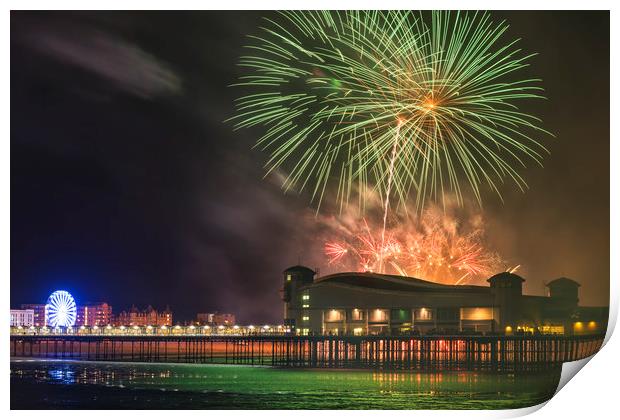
<point x="93" y="385"/>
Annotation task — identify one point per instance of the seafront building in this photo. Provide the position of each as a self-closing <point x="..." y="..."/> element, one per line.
<point x="39" y="313"/>
<point x="370" y="303"/>
<point x="22" y="317"/>
<point x="215" y="318"/>
<point x="146" y="317"/>
<point x="93" y="314"/>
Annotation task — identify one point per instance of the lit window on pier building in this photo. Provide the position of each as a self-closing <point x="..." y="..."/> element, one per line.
<point x="381" y="304"/>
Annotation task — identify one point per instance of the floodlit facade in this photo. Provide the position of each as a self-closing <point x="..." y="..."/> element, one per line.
<point x="146" y="317"/>
<point x="93" y="314"/>
<point x="39" y="313"/>
<point x="370" y="303"/>
<point x="22" y="317"/>
<point x="215" y="319"/>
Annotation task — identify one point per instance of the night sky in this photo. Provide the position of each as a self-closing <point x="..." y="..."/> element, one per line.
<point x="127" y="186"/>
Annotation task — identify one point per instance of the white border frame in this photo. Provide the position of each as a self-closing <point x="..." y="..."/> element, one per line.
<point x="593" y="394"/>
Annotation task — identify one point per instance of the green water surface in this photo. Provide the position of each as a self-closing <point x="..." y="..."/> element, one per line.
<point x="69" y="384"/>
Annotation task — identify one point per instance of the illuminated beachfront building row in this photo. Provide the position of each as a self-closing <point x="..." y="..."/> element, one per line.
<point x="369" y="303"/>
<point x="100" y="314"/>
<point x="92" y="314"/>
<point x="89" y="315"/>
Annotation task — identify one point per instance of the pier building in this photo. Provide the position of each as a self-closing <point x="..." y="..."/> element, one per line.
<point x="371" y="303"/>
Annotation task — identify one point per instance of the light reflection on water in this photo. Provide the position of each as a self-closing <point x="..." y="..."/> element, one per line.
<point x="228" y="386"/>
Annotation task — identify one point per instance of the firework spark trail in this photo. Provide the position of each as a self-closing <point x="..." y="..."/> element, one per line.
<point x="386" y="204"/>
<point x="329" y="86"/>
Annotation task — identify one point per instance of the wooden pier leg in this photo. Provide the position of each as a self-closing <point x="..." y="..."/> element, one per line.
<point x="314" y="352"/>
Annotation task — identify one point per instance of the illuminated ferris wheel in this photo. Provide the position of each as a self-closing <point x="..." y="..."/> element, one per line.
<point x="60" y="310"/>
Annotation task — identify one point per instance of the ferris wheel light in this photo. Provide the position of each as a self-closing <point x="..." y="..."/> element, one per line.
<point x="60" y="309"/>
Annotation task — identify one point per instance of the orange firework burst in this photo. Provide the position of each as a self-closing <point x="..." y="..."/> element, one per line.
<point x="436" y="248"/>
<point x="335" y="251"/>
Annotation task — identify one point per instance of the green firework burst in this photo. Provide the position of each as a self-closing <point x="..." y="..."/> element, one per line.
<point x="396" y="102"/>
